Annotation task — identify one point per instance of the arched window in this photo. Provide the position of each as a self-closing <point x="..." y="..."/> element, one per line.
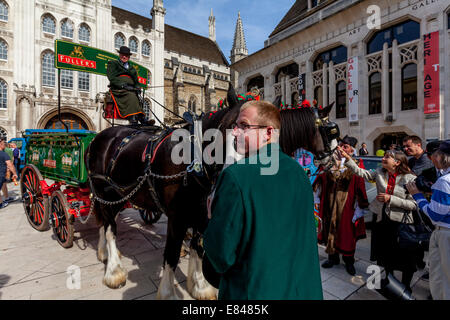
<point x="3" y="94"/>
<point x="192" y="104"/>
<point x="83" y="81"/>
<point x="67" y="29"/>
<point x="318" y="95"/>
<point x="290" y="70"/>
<point x="375" y="93"/>
<point x="403" y="32"/>
<point x="257" y="82"/>
<point x="49" y="24"/>
<point x="341" y="100"/>
<point x="337" y="55"/>
<point x="119" y="40"/>
<point x="84" y="33"/>
<point x="3" y="133"/>
<point x="147" y="108"/>
<point x="3" y="50"/>
<point x="48" y="69"/>
<point x="409" y="86"/>
<point x="133" y="44"/>
<point x="3" y="11"/>
<point x="146" y="48"/>
<point x="72" y="121"/>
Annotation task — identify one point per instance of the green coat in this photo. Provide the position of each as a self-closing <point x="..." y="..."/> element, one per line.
<point x="126" y="101"/>
<point x="262" y="235"/>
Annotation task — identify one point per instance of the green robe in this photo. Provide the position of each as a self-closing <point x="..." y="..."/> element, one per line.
<point x="262" y="235"/>
<point x="126" y="101"/>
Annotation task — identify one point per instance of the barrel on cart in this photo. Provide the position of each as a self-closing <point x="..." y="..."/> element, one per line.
<point x="58" y="155"/>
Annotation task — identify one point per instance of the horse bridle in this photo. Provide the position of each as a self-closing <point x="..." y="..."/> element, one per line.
<point x="329" y="131"/>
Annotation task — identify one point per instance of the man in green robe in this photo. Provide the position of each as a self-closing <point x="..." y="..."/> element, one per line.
<point x="262" y="236"/>
<point x="125" y="88"/>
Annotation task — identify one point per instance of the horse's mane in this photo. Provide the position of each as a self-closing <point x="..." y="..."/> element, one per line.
<point x="293" y="120"/>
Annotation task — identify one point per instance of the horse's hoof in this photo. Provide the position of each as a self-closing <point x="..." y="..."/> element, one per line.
<point x="117" y="279"/>
<point x="205" y="291"/>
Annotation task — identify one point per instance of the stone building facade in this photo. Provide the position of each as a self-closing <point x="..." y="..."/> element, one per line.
<point x="335" y="48"/>
<point x="186" y="70"/>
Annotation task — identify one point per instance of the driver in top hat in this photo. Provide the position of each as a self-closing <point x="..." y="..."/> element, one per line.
<point x="125" y="88"/>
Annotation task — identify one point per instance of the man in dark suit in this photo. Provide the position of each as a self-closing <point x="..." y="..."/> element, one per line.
<point x="125" y="88"/>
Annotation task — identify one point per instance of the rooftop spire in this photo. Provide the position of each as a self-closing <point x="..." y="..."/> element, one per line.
<point x="212" y="26"/>
<point x="239" y="49"/>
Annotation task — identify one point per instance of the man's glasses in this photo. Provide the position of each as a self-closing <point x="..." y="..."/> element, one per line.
<point x="245" y="127"/>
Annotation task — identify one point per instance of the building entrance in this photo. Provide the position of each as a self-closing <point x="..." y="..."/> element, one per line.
<point x="385" y="140"/>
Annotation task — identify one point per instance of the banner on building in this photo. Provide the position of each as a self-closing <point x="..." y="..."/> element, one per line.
<point x="74" y="56"/>
<point x="301" y="88"/>
<point x="352" y="88"/>
<point x="431" y="72"/>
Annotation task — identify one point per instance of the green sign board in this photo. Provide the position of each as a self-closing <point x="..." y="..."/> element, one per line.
<point x="74" y="56"/>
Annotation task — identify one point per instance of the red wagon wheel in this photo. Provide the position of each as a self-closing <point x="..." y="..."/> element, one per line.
<point x="60" y="219"/>
<point x="34" y="202"/>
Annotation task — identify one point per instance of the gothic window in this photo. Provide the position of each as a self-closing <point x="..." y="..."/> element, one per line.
<point x="337" y="55"/>
<point x="192" y="104"/>
<point x="3" y="11"/>
<point x="318" y="95"/>
<point x="3" y="94"/>
<point x="403" y="32"/>
<point x="48" y="69"/>
<point x="3" y="133"/>
<point x="67" y="29"/>
<point x="84" y="34"/>
<point x="409" y="87"/>
<point x="49" y="24"/>
<point x="119" y="40"/>
<point x="3" y="50"/>
<point x="133" y="44"/>
<point x="290" y="70"/>
<point x="147" y="108"/>
<point x="257" y="82"/>
<point x="341" y="100"/>
<point x="146" y="48"/>
<point x="375" y="93"/>
<point x="66" y="79"/>
<point x="83" y="81"/>
<point x="198" y="71"/>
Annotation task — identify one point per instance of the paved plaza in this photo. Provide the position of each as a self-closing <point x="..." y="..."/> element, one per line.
<point x="34" y="266"/>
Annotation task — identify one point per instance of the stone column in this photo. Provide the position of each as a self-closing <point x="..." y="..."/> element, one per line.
<point x="309" y="82"/>
<point x="288" y="91"/>
<point x="385" y="82"/>
<point x="283" y="89"/>
<point x="396" y="80"/>
<point x="331" y="86"/>
<point x="325" y="85"/>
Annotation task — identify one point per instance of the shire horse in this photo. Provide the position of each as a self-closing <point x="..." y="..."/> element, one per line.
<point x="118" y="169"/>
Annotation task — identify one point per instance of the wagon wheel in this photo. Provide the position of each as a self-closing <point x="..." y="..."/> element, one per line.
<point x="34" y="202"/>
<point x="60" y="219"/>
<point x="150" y="217"/>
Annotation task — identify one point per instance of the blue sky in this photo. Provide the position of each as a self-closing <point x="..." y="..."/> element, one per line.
<point x="259" y="17"/>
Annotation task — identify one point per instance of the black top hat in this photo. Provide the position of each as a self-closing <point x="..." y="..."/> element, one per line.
<point x="124" y="50"/>
<point x="445" y="147"/>
<point x="432" y="146"/>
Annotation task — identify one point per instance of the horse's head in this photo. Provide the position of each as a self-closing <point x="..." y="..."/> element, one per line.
<point x="308" y="128"/>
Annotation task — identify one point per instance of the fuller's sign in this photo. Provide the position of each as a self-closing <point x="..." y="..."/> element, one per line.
<point x="431" y="72"/>
<point x="74" y="56"/>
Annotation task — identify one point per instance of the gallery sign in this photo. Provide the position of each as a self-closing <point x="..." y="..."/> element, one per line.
<point x="352" y="88"/>
<point x="431" y="72"/>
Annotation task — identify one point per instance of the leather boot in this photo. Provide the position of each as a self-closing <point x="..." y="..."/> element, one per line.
<point x="133" y="119"/>
<point x="143" y="120"/>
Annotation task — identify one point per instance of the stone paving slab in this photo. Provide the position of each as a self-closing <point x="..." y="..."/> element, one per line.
<point x="34" y="266"/>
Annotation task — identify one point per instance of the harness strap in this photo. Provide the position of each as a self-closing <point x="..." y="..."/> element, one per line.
<point x="124" y="142"/>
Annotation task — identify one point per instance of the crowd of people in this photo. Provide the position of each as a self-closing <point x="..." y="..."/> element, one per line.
<point x="261" y="237"/>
